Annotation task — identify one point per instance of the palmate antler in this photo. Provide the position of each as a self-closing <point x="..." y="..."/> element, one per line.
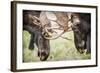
<point x="47" y="28"/>
<point x="41" y="22"/>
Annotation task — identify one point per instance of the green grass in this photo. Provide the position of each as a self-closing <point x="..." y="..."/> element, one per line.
<point x="60" y="49"/>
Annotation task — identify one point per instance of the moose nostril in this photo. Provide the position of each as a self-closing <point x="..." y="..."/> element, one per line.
<point x="43" y="53"/>
<point x="43" y="56"/>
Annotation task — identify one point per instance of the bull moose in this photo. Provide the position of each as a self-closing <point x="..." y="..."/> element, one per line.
<point x="82" y="31"/>
<point x="32" y="25"/>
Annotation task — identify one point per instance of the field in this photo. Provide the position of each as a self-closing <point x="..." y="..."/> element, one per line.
<point x="60" y="49"/>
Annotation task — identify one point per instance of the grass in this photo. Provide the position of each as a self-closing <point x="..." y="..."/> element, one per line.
<point x="60" y="49"/>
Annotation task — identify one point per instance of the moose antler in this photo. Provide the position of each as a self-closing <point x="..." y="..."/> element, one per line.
<point x="62" y="23"/>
